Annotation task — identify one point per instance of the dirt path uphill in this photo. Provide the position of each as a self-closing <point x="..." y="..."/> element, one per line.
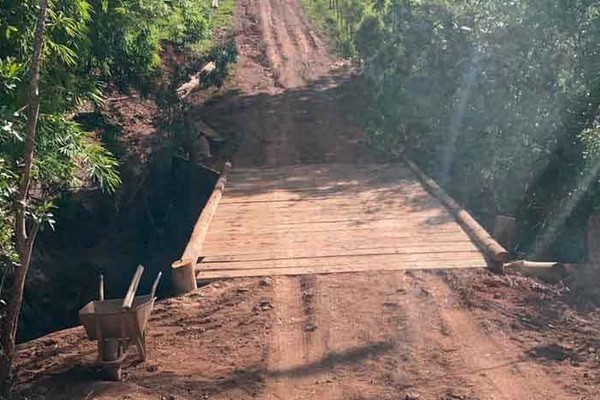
<point x="279" y="50"/>
<point x="288" y="101"/>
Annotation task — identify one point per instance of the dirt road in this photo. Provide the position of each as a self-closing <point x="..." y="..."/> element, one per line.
<point x="390" y="335"/>
<point x="386" y="335"/>
<point x="278" y="47"/>
<point x="383" y="335"/>
<point x="288" y="102"/>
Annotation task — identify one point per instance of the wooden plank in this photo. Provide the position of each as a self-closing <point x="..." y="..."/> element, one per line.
<point x="422" y="265"/>
<point x="313" y="224"/>
<point x="253" y="191"/>
<point x="383" y="246"/>
<point x="276" y="194"/>
<point x="324" y="171"/>
<point x="313" y="246"/>
<point x="332" y="187"/>
<point x="358" y="210"/>
<point x="374" y="260"/>
<point x="327" y="186"/>
<point x="449" y="233"/>
<point x="282" y="199"/>
<point x="350" y="225"/>
<point x="338" y="252"/>
<point x="362" y="232"/>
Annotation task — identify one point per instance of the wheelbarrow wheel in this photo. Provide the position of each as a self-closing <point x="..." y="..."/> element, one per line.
<point x="113" y="373"/>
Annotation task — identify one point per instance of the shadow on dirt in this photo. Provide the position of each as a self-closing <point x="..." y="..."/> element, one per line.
<point x="553" y="352"/>
<point x="249" y="380"/>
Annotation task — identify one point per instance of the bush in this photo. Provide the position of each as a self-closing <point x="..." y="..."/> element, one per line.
<point x="499" y="101"/>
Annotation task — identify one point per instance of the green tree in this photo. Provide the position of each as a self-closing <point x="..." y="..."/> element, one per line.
<point x="41" y="154"/>
<point x="24" y="235"/>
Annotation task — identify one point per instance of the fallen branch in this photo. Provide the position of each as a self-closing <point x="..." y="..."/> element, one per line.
<point x="194" y="83"/>
<point x="113" y="99"/>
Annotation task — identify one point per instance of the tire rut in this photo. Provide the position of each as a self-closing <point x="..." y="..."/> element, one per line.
<point x="383" y="335"/>
<point x="294" y="54"/>
<point x="465" y="360"/>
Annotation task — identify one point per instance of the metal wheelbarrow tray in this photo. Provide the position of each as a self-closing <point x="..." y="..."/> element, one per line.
<point x="114" y="326"/>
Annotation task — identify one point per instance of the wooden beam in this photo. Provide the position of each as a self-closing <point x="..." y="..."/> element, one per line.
<point x="552" y="272"/>
<point x="495" y="253"/>
<point x="183" y="270"/>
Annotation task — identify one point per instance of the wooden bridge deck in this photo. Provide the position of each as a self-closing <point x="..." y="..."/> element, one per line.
<point x="311" y="219"/>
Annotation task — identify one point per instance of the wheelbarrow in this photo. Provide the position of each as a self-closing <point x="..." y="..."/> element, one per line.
<point x="116" y="323"/>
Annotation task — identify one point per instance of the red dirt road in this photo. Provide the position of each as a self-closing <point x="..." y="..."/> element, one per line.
<point x="387" y="335"/>
<point x="279" y="49"/>
<point x="383" y="335"/>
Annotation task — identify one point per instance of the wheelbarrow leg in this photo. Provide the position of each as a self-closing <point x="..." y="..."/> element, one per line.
<point x="111" y="357"/>
<point x="113" y="372"/>
<point x="140" y="343"/>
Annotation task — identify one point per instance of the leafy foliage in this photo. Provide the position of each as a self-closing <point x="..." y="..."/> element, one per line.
<point x="88" y="44"/>
<point x="499" y="100"/>
<point x="339" y="19"/>
<point x="126" y="35"/>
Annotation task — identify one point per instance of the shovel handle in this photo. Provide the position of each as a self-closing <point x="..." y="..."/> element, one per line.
<point x="128" y="300"/>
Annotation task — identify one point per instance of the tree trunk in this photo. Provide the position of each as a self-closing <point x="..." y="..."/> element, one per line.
<point x="24" y="238"/>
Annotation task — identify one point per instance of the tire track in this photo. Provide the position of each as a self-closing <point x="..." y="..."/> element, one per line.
<point x="293" y="53"/>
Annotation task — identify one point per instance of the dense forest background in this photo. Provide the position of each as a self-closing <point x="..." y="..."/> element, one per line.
<point x="498" y="100"/>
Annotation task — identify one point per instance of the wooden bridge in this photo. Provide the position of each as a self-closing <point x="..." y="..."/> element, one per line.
<point x="312" y="219"/>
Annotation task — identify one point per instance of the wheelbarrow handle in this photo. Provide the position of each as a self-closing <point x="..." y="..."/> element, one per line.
<point x="128" y="300"/>
<point x="155" y="285"/>
<point x="101" y="288"/>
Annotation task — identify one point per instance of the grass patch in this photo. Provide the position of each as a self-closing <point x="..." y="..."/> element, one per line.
<point x="220" y="24"/>
<point x="324" y="19"/>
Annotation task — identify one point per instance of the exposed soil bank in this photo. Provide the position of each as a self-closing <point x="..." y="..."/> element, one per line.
<point x="93" y="237"/>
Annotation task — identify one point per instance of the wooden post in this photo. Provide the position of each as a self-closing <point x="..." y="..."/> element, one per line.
<point x="505" y="231"/>
<point x="135" y="281"/>
<point x="184" y="276"/>
<point x="593" y="239"/>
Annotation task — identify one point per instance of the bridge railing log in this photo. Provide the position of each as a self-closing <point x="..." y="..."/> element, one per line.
<point x="494" y="252"/>
<point x="184" y="269"/>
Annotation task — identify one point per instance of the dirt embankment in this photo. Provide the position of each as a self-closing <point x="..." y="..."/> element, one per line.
<point x="101" y="233"/>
